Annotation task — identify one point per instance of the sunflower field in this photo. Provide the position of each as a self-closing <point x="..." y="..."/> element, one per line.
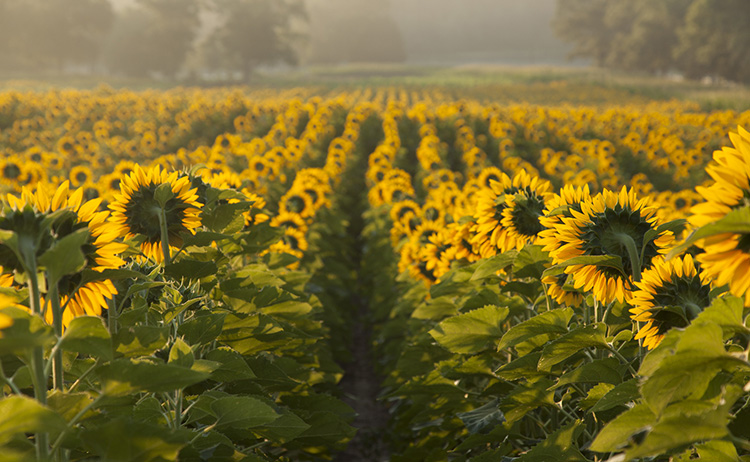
<point x="181" y="271"/>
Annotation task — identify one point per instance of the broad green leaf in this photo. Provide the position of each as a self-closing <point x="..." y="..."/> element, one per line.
<point x="122" y="377"/>
<point x="488" y="267"/>
<point x="617" y="432"/>
<point x="233" y="365"/>
<point x="482" y="419"/>
<point x="524" y="367"/>
<point x="67" y="405"/>
<point x="690" y="422"/>
<point x="609" y="261"/>
<point x="65" y="256"/>
<point x="598" y="371"/>
<point x="557" y="447"/>
<point x="135" y="288"/>
<point x="471" y="332"/>
<point x="549" y="322"/>
<point x="531" y="262"/>
<point x="594" y="395"/>
<point x="21" y="414"/>
<point x="700" y="355"/>
<point x="242" y="412"/>
<point x="191" y="269"/>
<point x="726" y="312"/>
<point x="435" y="309"/>
<point x="140" y="340"/>
<point x="453" y="283"/>
<point x="125" y="440"/>
<point x="527" y="397"/>
<point x="620" y="395"/>
<point x="290" y="309"/>
<point x="202" y="328"/>
<point x="285" y="428"/>
<point x="223" y="216"/>
<point x="87" y="335"/>
<point x="737" y="221"/>
<point x="202" y="238"/>
<point x="26" y="332"/>
<point x="181" y="354"/>
<point x="571" y="343"/>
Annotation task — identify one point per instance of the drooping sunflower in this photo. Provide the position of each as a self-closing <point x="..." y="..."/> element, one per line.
<point x="136" y="211"/>
<point x="670" y="294"/>
<point x="101" y="249"/>
<point x="600" y="228"/>
<point x="507" y="214"/>
<point x="726" y="257"/>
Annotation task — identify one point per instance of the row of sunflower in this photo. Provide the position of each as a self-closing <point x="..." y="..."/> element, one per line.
<point x="183" y="266"/>
<point x="541" y="324"/>
<point x="167" y="317"/>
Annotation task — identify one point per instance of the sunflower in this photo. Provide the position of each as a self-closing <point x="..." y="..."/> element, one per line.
<point x="601" y="226"/>
<point x="136" y="211"/>
<point x="499" y="229"/>
<point x="101" y="249"/>
<point x="670" y="294"/>
<point x="727" y="256"/>
<point x="297" y="201"/>
<point x="437" y="253"/>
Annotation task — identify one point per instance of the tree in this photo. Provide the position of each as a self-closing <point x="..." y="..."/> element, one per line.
<point x="582" y="23"/>
<point x="715" y="40"/>
<point x="255" y="32"/>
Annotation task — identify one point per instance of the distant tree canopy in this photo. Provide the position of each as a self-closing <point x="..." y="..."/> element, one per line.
<point x="149" y="37"/>
<point x="695" y="37"/>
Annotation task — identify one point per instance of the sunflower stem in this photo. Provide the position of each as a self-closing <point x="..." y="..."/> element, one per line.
<point x="635" y="259"/>
<point x="38" y="376"/>
<point x="164" y="235"/>
<point x="57" y="365"/>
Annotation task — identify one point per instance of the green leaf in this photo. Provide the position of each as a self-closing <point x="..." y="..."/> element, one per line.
<point x="550" y="322"/>
<point x="233" y="365"/>
<point x="135" y="288"/>
<point x="242" y="412"/>
<point x="524" y="367"/>
<point x="87" y="335"/>
<point x="488" y="267"/>
<point x="726" y="312"/>
<point x="26" y="332"/>
<point x="471" y="332"/>
<point x="163" y="194"/>
<point x="571" y="343"/>
<point x="222" y="216"/>
<point x="686" y="423"/>
<point x="482" y="419"/>
<point x="527" y="397"/>
<point x="65" y="256"/>
<point x="620" y="395"/>
<point x="202" y="238"/>
<point x="699" y="356"/>
<point x="597" y="371"/>
<point x="531" y="262"/>
<point x="202" y="328"/>
<point x="609" y="261"/>
<point x="67" y="405"/>
<point x="435" y="309"/>
<point x="89" y="275"/>
<point x="617" y="432"/>
<point x="122" y="377"/>
<point x="140" y="340"/>
<point x="181" y="354"/>
<point x="736" y="221"/>
<point x="557" y="447"/>
<point x="191" y="269"/>
<point x="125" y="440"/>
<point x="286" y="427"/>
<point x="21" y="414"/>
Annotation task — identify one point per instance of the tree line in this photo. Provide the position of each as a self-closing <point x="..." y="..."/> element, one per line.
<point x="149" y="37"/>
<point x="697" y="38"/>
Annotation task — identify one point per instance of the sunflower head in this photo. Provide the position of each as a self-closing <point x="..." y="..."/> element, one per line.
<point x="136" y="210"/>
<point x="608" y="224"/>
<point x="670" y="294"/>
